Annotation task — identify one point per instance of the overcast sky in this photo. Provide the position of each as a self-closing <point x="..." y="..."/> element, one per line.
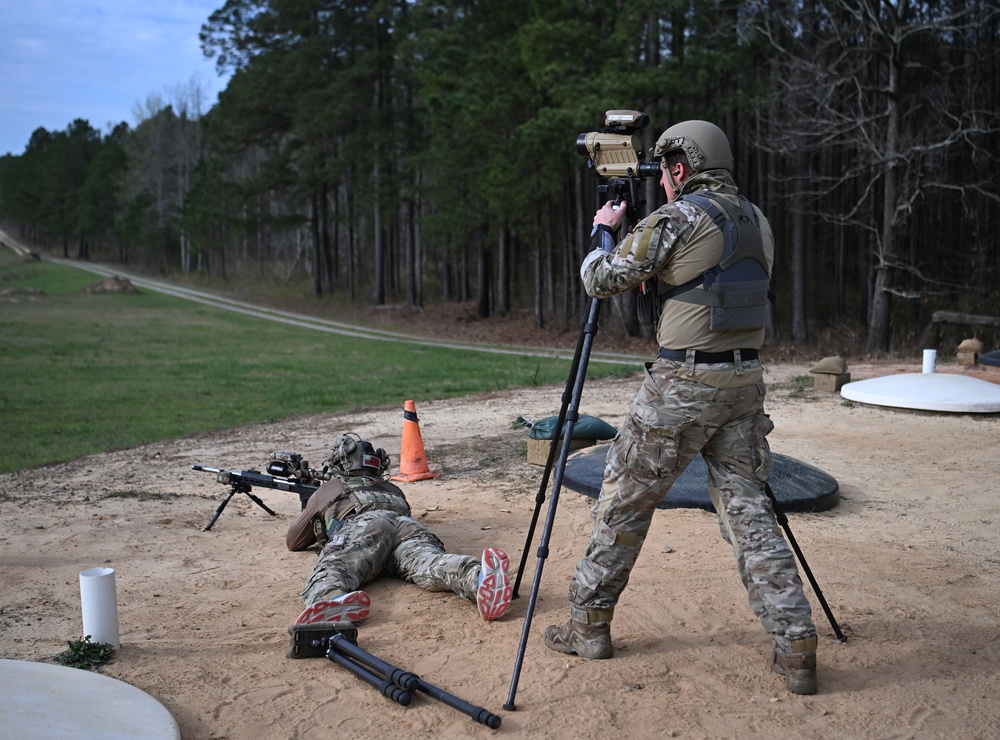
<point x="95" y="59"/>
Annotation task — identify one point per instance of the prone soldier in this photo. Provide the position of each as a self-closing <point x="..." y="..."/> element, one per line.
<point x="363" y="524"/>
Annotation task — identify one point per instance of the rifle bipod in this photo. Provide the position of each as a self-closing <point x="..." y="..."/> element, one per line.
<point x="237" y="488"/>
<point x="394" y="683"/>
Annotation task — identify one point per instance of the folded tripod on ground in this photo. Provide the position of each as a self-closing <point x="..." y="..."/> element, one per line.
<point x="392" y="682"/>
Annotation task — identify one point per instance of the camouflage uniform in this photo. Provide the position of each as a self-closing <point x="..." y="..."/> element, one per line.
<point x="684" y="409"/>
<point x="373" y="535"/>
<point x="384" y="543"/>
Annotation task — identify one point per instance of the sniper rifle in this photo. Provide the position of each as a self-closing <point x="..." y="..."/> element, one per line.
<point x="286" y="471"/>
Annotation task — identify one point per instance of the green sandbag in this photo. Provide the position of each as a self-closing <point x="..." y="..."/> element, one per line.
<point x="586" y="427"/>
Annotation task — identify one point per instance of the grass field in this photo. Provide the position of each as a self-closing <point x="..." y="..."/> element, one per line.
<point x="82" y="373"/>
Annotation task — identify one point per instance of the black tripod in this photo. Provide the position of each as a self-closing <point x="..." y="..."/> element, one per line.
<point x="569" y="413"/>
<point x="395" y="683"/>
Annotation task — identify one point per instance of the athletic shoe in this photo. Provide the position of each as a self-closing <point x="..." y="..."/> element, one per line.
<point x="350" y="607"/>
<point x="494" y="592"/>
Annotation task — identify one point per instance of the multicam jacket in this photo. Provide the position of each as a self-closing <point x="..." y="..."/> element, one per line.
<point x="677" y="243"/>
<point x="338" y="499"/>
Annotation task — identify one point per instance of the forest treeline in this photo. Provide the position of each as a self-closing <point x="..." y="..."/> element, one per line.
<point x="405" y="151"/>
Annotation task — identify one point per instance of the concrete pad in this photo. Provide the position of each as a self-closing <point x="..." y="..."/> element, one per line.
<point x="797" y="486"/>
<point x="41" y="701"/>
<point x="927" y="391"/>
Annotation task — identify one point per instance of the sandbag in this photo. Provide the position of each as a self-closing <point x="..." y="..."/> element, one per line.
<point x="586" y="427"/>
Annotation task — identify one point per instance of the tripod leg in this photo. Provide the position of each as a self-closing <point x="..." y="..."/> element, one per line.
<point x="480" y="715"/>
<point x="783" y="521"/>
<point x="553" y="448"/>
<point x="386" y="687"/>
<point x="572" y="415"/>
<point x="403" y="679"/>
<point x="410" y="682"/>
<point x="218" y="512"/>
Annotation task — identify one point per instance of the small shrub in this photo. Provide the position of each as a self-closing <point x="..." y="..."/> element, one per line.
<point x="85" y="654"/>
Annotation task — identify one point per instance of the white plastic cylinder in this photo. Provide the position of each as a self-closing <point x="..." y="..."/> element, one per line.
<point x="99" y="600"/>
<point x="930" y="358"/>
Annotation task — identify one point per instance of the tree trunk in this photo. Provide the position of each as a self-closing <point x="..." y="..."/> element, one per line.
<point x="446" y="275"/>
<point x="550" y="275"/>
<point x="314" y="229"/>
<point x="881" y="312"/>
<point x="503" y="273"/>
<point x="349" y="255"/>
<point x="536" y="260"/>
<point x="800" y="327"/>
<point x="628" y="308"/>
<point x="410" y="253"/>
<point x="418" y="258"/>
<point x="378" y="245"/>
<point x="482" y="280"/>
<point x="324" y="238"/>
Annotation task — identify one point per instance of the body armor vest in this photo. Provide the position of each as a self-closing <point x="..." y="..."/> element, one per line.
<point x="368" y="495"/>
<point x="737" y="288"/>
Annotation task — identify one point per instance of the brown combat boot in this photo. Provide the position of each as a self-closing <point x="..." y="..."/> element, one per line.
<point x="586" y="640"/>
<point x="799" y="668"/>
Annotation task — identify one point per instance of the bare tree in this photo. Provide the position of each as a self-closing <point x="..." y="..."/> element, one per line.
<point x="873" y="87"/>
<point x="188" y="101"/>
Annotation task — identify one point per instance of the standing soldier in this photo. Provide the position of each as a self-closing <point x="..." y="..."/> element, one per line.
<point x="711" y="251"/>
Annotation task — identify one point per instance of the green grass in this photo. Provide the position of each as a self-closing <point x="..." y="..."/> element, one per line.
<point x="84" y="373"/>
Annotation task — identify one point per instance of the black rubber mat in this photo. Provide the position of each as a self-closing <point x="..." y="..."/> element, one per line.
<point x="797" y="486"/>
<point x="990" y="358"/>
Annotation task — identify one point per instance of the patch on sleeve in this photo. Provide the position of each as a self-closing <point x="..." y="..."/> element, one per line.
<point x="645" y="248"/>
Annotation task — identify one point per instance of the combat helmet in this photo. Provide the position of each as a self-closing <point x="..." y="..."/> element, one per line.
<point x="704" y="143"/>
<point x="352" y="455"/>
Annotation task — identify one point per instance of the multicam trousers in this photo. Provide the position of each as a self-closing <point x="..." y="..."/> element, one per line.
<point x="384" y="543"/>
<point x="672" y="420"/>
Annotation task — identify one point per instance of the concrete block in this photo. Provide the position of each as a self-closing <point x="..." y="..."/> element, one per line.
<point x="538" y="449"/>
<point x="831" y="382"/>
<point x="967" y="358"/>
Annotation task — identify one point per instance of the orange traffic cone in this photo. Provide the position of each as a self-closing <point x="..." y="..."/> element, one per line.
<point x="412" y="460"/>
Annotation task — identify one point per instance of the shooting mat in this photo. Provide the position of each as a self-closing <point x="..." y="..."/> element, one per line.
<point x="42" y="701"/>
<point x="797" y="486"/>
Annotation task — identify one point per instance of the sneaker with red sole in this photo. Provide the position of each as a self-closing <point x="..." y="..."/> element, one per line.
<point x="494" y="593"/>
<point x="350" y="607"/>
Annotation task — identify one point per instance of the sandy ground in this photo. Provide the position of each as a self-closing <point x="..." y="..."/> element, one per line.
<point x="909" y="562"/>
